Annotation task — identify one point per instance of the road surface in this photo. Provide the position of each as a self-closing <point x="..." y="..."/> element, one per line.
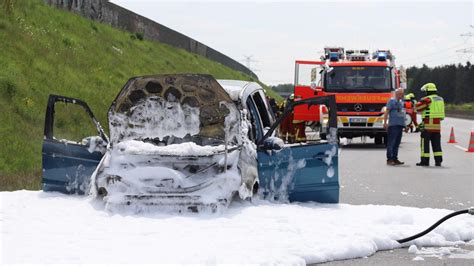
<point x="366" y="179"/>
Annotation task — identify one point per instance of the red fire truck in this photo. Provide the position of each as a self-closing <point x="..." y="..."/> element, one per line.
<point x="362" y="83"/>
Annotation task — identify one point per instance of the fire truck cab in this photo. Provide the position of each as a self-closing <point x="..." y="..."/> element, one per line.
<point x="362" y="83"/>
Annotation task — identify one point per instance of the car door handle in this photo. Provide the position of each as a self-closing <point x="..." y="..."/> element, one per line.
<point x="320" y="156"/>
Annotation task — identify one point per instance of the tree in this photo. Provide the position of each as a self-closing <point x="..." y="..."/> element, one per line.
<point x="455" y="82"/>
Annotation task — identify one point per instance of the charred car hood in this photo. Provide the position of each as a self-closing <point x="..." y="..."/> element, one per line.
<point x="175" y="108"/>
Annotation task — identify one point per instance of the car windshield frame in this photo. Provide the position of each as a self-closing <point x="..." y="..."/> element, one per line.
<point x="360" y="79"/>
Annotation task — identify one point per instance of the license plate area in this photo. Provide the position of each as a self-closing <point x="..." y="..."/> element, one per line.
<point x="358" y="120"/>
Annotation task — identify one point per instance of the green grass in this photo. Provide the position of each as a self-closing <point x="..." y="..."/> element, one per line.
<point x="48" y="51"/>
<point x="460" y="107"/>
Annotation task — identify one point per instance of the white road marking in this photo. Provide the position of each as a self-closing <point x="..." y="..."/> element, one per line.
<point x="461" y="148"/>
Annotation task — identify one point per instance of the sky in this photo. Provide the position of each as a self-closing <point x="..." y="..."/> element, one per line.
<point x="276" y="33"/>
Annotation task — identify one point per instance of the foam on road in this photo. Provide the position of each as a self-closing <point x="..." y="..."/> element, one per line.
<point x="39" y="227"/>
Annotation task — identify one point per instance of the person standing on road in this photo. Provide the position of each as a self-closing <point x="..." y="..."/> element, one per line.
<point x="395" y="113"/>
<point x="432" y="107"/>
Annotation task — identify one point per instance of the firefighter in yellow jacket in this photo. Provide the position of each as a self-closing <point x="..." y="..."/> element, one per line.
<point x="432" y="108"/>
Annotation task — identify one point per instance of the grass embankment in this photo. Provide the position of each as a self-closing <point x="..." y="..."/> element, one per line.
<point x="48" y="51"/>
<point x="460" y="107"/>
<point x="463" y="110"/>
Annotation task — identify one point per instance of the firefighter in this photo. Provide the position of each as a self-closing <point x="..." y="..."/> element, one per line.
<point x="299" y="127"/>
<point x="410" y="103"/>
<point x="413" y="115"/>
<point x="410" y="109"/>
<point x="286" y="126"/>
<point x="432" y="108"/>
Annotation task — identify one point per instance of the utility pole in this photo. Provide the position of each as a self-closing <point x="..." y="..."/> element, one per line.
<point x="248" y="59"/>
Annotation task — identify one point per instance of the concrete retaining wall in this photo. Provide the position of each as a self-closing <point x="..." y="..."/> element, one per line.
<point x="121" y="18"/>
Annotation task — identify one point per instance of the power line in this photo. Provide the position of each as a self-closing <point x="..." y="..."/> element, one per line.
<point x="468" y="50"/>
<point x="411" y="59"/>
<point x="436" y="54"/>
<point x="438" y="59"/>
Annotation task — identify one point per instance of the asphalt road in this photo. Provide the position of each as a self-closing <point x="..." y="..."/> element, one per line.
<point x="366" y="179"/>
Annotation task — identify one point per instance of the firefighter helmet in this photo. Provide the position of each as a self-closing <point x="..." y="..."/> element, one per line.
<point x="429" y="87"/>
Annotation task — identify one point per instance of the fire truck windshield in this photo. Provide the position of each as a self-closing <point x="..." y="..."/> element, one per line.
<point x="358" y="79"/>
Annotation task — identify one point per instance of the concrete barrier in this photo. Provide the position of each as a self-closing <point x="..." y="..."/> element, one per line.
<point x="121" y="18"/>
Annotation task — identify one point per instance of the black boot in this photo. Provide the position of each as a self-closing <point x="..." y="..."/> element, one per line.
<point x="424" y="161"/>
<point x="422" y="164"/>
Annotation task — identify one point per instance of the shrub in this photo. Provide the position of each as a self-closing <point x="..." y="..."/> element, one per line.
<point x="9" y="86"/>
<point x="139" y="35"/>
<point x="68" y="42"/>
<point x="94" y="27"/>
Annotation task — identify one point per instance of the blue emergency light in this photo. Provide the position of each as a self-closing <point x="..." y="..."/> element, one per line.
<point x="381" y="56"/>
<point x="333" y="56"/>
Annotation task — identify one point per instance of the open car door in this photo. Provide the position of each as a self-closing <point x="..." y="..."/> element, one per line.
<point x="302" y="171"/>
<point x="308" y="84"/>
<point x="74" y="143"/>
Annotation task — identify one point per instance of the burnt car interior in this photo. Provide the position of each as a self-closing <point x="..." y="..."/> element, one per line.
<point x="164" y="94"/>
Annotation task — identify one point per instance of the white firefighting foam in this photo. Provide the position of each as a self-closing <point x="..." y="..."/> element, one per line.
<point x="47" y="228"/>
<point x="155" y="118"/>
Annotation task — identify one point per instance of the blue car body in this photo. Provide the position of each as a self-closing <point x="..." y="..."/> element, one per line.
<point x="299" y="173"/>
<point x="68" y="166"/>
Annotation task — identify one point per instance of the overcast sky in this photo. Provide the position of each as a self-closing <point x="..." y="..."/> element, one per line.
<point x="275" y="33"/>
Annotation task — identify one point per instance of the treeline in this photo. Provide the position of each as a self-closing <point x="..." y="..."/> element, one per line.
<point x="283" y="88"/>
<point x="455" y="83"/>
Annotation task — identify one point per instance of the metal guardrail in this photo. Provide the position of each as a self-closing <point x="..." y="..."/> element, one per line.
<point x="464" y="114"/>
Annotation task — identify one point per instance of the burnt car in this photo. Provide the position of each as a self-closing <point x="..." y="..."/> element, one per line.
<point x="189" y="142"/>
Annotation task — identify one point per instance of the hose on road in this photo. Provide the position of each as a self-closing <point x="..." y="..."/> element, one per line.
<point x="469" y="211"/>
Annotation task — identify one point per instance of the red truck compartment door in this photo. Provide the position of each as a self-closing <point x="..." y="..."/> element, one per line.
<point x="308" y="80"/>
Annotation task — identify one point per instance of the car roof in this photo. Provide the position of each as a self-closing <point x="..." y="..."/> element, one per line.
<point x="239" y="89"/>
